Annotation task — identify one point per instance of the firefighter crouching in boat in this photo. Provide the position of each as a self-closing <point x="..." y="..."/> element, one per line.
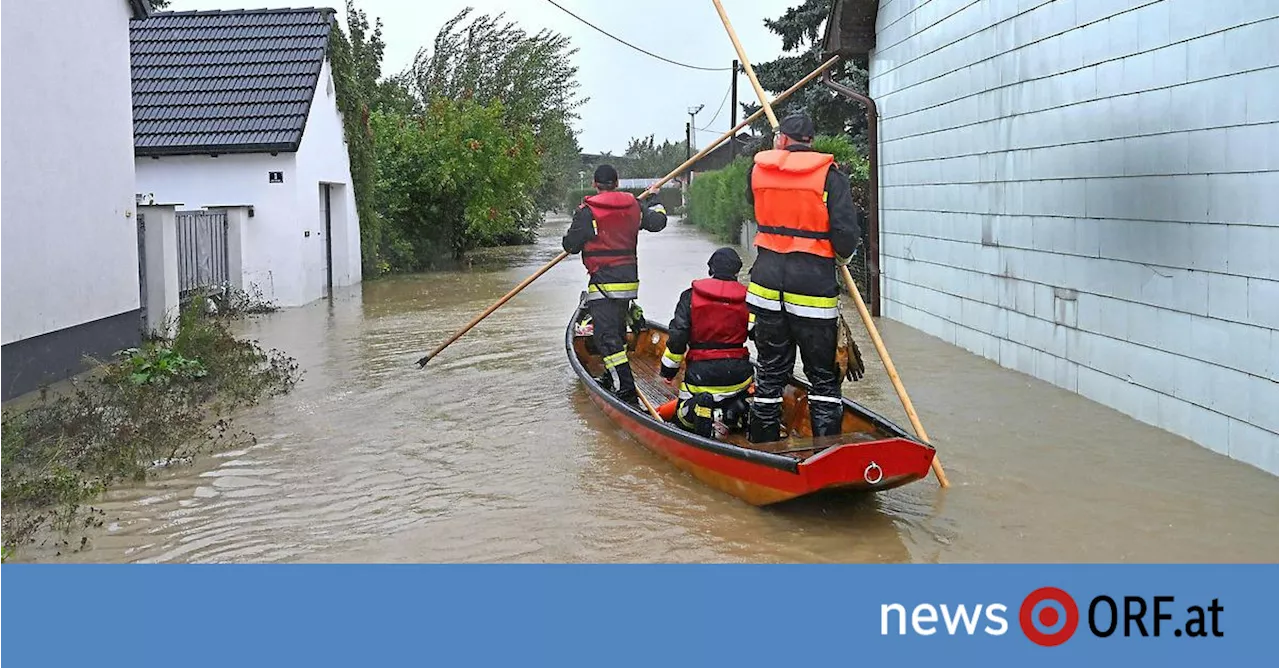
<point x="709" y="333"/>
<point x="605" y="229"/>
<point x="806" y="224"/>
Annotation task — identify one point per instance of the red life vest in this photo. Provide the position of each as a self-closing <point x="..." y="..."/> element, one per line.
<point x="719" y="315"/>
<point x="616" y="216"/>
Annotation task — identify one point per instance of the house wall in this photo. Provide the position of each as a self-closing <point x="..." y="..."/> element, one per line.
<point x="70" y="241"/>
<point x="272" y="238"/>
<point x="1086" y="191"/>
<point x="322" y="158"/>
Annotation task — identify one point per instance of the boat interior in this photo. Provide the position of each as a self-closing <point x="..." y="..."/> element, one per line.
<point x="645" y="352"/>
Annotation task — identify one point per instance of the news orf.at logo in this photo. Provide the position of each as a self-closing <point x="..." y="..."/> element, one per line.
<point x="1048" y="616"/>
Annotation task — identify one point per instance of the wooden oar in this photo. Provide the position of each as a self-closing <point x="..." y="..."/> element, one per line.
<point x="848" y="278"/>
<point x="649" y="191"/>
<point x="746" y="65"/>
<point x="893" y="372"/>
<point x="493" y="307"/>
<point x="648" y="406"/>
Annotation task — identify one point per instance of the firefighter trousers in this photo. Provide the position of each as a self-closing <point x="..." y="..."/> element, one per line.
<point x="778" y="334"/>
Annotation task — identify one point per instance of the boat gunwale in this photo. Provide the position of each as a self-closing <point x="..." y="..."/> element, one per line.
<point x="780" y="462"/>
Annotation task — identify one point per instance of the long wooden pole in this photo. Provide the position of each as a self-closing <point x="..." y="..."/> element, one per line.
<point x="493" y="307"/>
<point x="652" y="411"/>
<point x="893" y="372"/>
<point x="649" y="191"/>
<point x="746" y="64"/>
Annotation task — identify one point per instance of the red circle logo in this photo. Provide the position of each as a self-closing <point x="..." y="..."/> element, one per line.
<point x="1048" y="616"/>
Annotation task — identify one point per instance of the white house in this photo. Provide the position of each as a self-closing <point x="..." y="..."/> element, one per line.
<point x="67" y="218"/>
<point x="238" y="108"/>
<point x="1086" y="191"/>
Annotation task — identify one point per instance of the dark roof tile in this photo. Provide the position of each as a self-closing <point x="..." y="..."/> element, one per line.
<point x="225" y="81"/>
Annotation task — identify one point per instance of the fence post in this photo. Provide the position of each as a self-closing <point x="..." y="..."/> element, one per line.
<point x="160" y="240"/>
<point x="237" y="220"/>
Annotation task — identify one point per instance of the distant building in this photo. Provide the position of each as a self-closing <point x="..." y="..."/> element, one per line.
<point x="70" y="240"/>
<point x="238" y="108"/>
<point x="1087" y="192"/>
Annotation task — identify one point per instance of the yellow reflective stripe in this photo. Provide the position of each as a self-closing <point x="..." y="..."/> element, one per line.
<point x="716" y="389"/>
<point x="680" y="414"/>
<point x="671" y="360"/>
<point x="595" y="228"/>
<point x="824" y="197"/>
<point x="806" y="300"/>
<point x="761" y="291"/>
<point x="615" y="359"/>
<point x="613" y="287"/>
<point x="751" y="318"/>
<point x="702" y="411"/>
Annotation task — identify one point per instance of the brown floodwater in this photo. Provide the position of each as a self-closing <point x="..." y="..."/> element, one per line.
<point x="495" y="453"/>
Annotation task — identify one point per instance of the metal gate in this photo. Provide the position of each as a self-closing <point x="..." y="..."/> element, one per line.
<point x="202" y="251"/>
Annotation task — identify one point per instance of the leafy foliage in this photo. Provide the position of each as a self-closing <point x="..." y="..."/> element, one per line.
<point x="453" y="179"/>
<point x="158" y="365"/>
<point x="718" y="201"/>
<point x="163" y="402"/>
<point x="463" y="149"/>
<point x="801" y="40"/>
<point x="649" y="160"/>
<point x="489" y="59"/>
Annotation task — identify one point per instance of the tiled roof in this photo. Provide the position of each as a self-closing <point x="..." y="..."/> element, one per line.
<point x="232" y="81"/>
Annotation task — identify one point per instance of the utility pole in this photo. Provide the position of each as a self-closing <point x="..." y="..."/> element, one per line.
<point x="733" y="111"/>
<point x="693" y="129"/>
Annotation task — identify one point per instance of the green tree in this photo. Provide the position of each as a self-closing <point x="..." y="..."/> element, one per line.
<point x="451" y="179"/>
<point x="648" y="159"/>
<point x="800" y="30"/>
<point x="490" y="59"/>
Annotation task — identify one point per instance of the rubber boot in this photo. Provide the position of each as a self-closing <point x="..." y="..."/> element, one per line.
<point x="825" y="418"/>
<point x="765" y="424"/>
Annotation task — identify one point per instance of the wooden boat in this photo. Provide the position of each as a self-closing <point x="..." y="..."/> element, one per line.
<point x="871" y="454"/>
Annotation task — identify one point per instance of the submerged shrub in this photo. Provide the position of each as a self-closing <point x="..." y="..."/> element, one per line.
<point x="153" y="405"/>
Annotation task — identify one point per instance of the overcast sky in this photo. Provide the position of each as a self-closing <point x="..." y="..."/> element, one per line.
<point x="631" y="94"/>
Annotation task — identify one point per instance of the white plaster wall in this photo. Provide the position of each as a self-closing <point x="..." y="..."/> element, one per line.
<point x="322" y="157"/>
<point x="272" y="242"/>
<point x="69" y="241"/>
<point x="1086" y="191"/>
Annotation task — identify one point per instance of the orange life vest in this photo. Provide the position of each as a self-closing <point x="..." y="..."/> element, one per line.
<point x="617" y="220"/>
<point x="718" y="310"/>
<point x="789" y="188"/>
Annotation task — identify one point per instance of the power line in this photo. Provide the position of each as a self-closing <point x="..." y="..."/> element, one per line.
<point x="718" y="109"/>
<point x="648" y="53"/>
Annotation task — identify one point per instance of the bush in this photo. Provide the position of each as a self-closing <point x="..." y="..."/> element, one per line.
<point x="165" y="401"/>
<point x="670" y="198"/>
<point x="453" y="179"/>
<point x="718" y="201"/>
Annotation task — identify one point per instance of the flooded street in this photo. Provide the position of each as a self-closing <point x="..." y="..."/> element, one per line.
<point x="494" y="453"/>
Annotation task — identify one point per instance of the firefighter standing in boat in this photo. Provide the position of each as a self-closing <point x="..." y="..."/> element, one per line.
<point x="605" y="229"/>
<point x="806" y="224"/>
<point x="709" y="334"/>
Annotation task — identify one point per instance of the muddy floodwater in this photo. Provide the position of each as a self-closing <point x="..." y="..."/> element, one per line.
<point x="495" y="453"/>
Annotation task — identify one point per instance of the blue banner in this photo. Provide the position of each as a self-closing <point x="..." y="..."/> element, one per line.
<point x="1069" y="615"/>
